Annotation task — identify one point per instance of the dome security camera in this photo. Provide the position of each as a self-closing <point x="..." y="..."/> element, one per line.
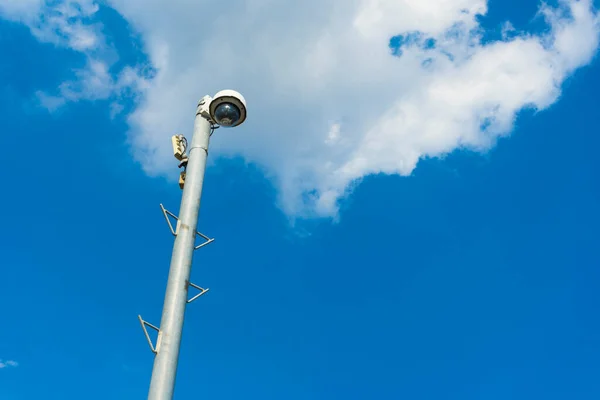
<point x="228" y="108"/>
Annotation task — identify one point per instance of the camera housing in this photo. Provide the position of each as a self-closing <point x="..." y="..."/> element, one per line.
<point x="228" y="109"/>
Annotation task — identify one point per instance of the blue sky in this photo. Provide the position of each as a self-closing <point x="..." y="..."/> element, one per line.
<point x="473" y="278"/>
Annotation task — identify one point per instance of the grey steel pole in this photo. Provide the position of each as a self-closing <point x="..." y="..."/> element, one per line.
<point x="162" y="384"/>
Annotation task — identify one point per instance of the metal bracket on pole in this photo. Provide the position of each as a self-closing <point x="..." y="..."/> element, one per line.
<point x="202" y="292"/>
<point x="167" y="213"/>
<point x="144" y="325"/>
<point x="206" y="238"/>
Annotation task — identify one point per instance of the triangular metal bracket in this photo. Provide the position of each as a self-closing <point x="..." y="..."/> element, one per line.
<point x="147" y="324"/>
<point x="206" y="238"/>
<point x="168" y="214"/>
<point x="202" y="292"/>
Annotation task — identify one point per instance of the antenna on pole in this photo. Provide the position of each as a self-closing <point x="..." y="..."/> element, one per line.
<point x="226" y="109"/>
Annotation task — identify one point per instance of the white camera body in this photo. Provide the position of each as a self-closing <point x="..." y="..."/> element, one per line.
<point x="227" y="108"/>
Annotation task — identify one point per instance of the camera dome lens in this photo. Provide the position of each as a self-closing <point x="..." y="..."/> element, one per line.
<point x="226" y="114"/>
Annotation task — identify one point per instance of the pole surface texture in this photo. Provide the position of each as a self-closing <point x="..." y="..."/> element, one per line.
<point x="162" y="384"/>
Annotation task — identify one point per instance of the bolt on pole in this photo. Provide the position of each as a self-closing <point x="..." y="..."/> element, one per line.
<point x="162" y="384"/>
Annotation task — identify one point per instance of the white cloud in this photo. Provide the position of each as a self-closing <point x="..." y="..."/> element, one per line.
<point x="21" y="10"/>
<point x="328" y="103"/>
<point x="65" y="23"/>
<point x="72" y="24"/>
<point x="8" y="363"/>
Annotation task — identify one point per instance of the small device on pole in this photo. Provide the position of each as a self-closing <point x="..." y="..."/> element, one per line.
<point x="226" y="109"/>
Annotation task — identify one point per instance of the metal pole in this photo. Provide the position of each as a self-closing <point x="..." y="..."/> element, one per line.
<point x="162" y="383"/>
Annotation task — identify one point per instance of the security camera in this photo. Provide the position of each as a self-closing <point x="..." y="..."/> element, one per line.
<point x="228" y="108"/>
